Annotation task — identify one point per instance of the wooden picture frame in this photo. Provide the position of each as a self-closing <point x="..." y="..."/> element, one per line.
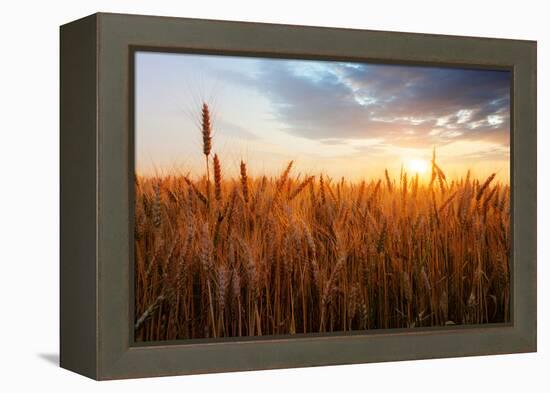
<point x="97" y="207"/>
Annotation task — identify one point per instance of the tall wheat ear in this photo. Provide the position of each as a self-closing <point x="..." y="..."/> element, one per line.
<point x="206" y="129"/>
<point x="217" y="179"/>
<point x="244" y="182"/>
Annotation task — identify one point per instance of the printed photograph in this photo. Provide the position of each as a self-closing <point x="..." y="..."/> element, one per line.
<point x="295" y="197"/>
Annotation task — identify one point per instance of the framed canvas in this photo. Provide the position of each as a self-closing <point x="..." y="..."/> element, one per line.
<point x="242" y="196"/>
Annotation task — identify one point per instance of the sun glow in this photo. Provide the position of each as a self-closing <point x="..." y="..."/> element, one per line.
<point x="417" y="165"/>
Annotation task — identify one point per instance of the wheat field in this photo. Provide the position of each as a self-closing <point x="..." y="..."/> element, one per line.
<point x="306" y="253"/>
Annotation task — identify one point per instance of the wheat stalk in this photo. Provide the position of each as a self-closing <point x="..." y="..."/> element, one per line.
<point x="217" y="179"/>
<point x="244" y="182"/>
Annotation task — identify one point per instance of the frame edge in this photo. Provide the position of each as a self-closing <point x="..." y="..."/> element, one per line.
<point x="78" y="197"/>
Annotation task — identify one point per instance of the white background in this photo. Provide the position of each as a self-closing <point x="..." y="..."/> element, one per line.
<point x="29" y="196"/>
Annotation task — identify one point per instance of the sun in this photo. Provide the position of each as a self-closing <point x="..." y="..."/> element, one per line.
<point x="417" y="165"/>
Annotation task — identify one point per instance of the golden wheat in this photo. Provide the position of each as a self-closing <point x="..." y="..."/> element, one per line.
<point x="272" y="259"/>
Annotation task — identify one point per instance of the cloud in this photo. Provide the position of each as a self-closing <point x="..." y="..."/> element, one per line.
<point x="405" y="105"/>
<point x="333" y="141"/>
<point x="234" y="130"/>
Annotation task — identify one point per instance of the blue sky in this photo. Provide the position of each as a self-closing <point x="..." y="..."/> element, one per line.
<point x="344" y="119"/>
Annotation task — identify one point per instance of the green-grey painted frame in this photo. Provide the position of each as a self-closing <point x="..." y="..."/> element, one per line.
<point x="96" y="266"/>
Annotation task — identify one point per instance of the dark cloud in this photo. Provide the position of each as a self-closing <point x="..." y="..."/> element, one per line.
<point x="405" y="105"/>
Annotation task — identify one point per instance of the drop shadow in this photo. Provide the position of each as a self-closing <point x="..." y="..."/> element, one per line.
<point x="52" y="358"/>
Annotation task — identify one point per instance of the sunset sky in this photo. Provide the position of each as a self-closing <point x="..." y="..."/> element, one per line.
<point x="342" y="119"/>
